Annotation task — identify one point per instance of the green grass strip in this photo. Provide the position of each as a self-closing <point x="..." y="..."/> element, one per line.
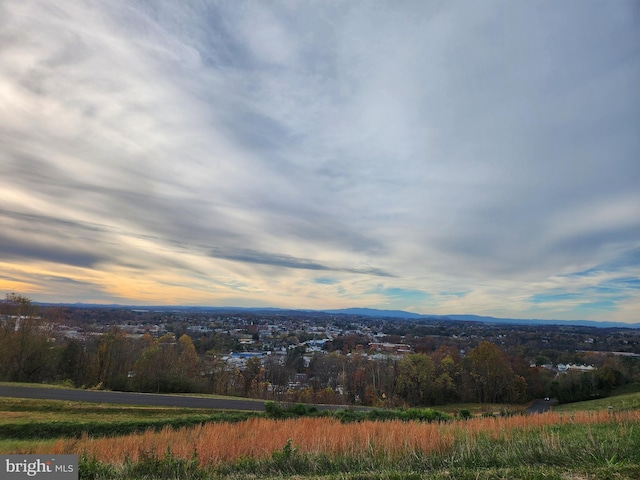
<point x="71" y="429"/>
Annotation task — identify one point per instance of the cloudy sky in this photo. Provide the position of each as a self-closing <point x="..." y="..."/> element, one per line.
<point x="438" y="157"/>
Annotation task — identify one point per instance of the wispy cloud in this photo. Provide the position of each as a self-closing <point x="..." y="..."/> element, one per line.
<point x="301" y="154"/>
<point x="287" y="261"/>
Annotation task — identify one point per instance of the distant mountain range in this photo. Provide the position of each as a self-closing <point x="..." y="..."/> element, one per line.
<point x="371" y="312"/>
<point x="368" y="312"/>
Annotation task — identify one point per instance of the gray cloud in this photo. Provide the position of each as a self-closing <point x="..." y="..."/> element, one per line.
<point x="445" y="147"/>
<point x="288" y="261"/>
<point x="25" y="249"/>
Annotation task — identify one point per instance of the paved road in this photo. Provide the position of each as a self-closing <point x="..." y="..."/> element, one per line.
<point x="127" y="398"/>
<point x="539" y="406"/>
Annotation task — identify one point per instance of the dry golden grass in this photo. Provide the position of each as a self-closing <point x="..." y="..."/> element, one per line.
<point x="259" y="438"/>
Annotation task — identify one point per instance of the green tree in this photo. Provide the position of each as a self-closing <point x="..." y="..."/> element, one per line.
<point x="445" y="383"/>
<point x="72" y="363"/>
<point x="415" y="381"/>
<point x="295" y="358"/>
<point x="447" y="376"/>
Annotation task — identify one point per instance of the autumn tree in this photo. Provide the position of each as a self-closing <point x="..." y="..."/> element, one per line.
<point x="277" y="374"/>
<point x="356" y="379"/>
<point x="112" y="360"/>
<point x="167" y="365"/>
<point x="490" y="375"/>
<point x="188" y="362"/>
<point x="216" y="374"/>
<point x="252" y="375"/>
<point x="383" y="379"/>
<point x="25" y="355"/>
<point x="325" y="370"/>
<point x="152" y="365"/>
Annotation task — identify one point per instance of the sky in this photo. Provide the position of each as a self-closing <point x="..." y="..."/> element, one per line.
<point x="437" y="157"/>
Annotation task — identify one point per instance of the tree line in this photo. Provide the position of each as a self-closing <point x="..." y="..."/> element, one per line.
<point x="113" y="360"/>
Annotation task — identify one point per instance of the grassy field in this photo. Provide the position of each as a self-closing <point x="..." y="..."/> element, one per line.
<point x="574" y="446"/>
<point x="585" y="441"/>
<point x="28" y="410"/>
<point x="480" y="408"/>
<point x="31" y="420"/>
<point x="627" y="401"/>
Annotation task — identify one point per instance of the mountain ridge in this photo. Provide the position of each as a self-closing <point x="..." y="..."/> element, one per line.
<point x="361" y="311"/>
<point x="483" y="318"/>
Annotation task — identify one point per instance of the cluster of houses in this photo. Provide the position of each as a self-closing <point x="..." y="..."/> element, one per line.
<point x="274" y="334"/>
<point x="376" y="351"/>
<point x="564" y="368"/>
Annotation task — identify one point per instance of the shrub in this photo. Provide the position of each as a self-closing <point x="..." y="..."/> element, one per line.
<point x="298" y="409"/>
<point x="273" y="410"/>
<point x="465" y="414"/>
<point x="424" y="415"/>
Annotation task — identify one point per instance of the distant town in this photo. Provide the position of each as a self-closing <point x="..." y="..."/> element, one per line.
<point x="320" y="357"/>
<point x="262" y="333"/>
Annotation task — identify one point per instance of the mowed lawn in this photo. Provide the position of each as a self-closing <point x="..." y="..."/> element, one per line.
<point x="618" y="403"/>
